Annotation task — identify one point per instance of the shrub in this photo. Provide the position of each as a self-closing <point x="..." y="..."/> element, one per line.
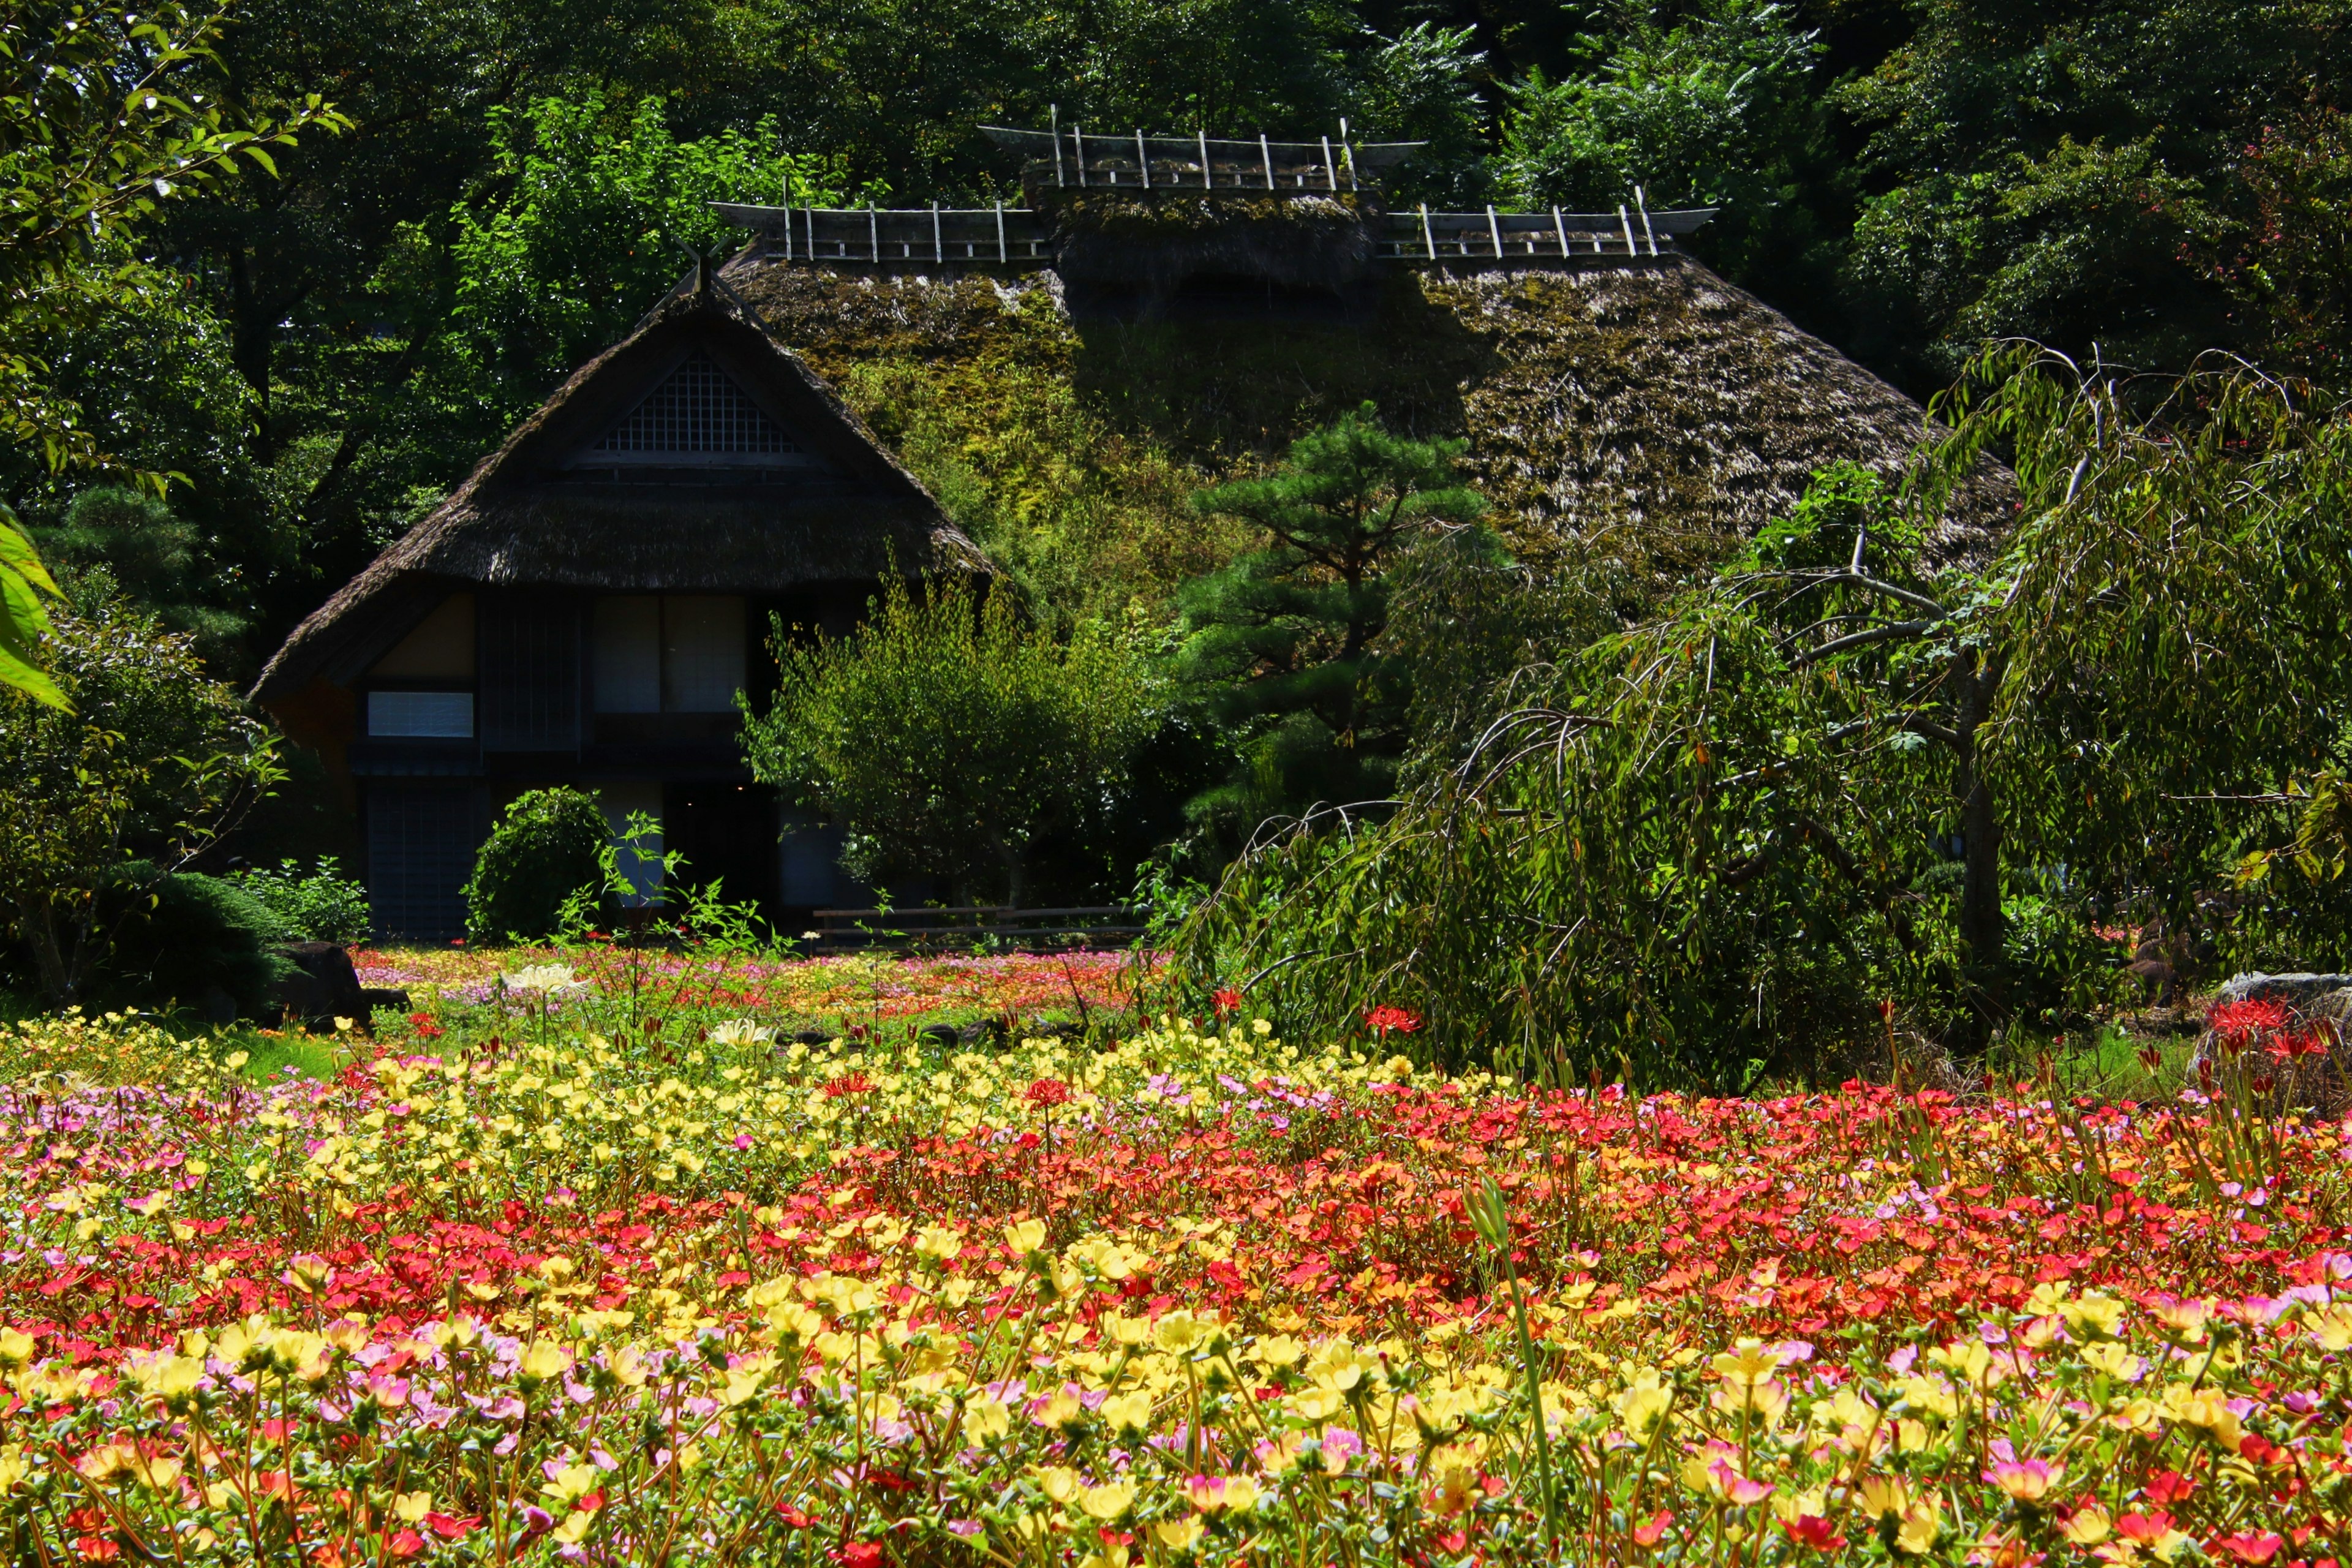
<point x="950" y="741"/>
<point x="189" y="941"/>
<point x="150" y="766"/>
<point x="547" y="848"/>
<point x="325" y="906"/>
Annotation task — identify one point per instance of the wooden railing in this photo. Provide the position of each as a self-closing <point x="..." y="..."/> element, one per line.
<point x="966" y="925"/>
<point x="1022" y="238"/>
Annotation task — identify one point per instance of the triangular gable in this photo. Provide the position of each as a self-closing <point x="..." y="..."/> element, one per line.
<point x="696" y="413"/>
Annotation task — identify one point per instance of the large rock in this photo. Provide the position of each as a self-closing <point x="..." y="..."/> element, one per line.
<point x="2317" y="1005"/>
<point x="322" y="985"/>
<point x="2300" y="992"/>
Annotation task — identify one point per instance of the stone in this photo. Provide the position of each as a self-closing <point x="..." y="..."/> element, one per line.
<point x="2298" y="991"/>
<point x="322" y="985"/>
<point x="375" y="996"/>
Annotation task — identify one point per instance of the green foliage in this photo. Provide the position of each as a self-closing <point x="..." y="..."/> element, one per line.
<point x="141" y="548"/>
<point x="105" y="115"/>
<point x="153" y="763"/>
<point x="1709" y="107"/>
<point x="549" y="844"/>
<point x="950" y="741"/>
<point x="24" y="620"/>
<point x="600" y="197"/>
<point x="192" y="941"/>
<point x="1288" y="646"/>
<point x="323" y="906"/>
<point x="1723" y="838"/>
<point x="2069" y="172"/>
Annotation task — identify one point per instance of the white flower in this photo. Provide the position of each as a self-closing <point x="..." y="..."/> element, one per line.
<point x="742" y="1032"/>
<point x="548" y="977"/>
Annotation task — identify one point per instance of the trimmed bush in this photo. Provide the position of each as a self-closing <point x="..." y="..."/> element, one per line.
<point x="192" y="941"/>
<point x="545" y="849"/>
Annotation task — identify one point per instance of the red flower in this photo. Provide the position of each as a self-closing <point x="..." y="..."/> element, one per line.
<point x="449" y="1527"/>
<point x="848" y="1083"/>
<point x="1385" y="1019"/>
<point x="1647" y="1534"/>
<point x="1227" y="999"/>
<point x="794" y="1517"/>
<point x="1811" y="1530"/>
<point x="2247" y="1547"/>
<point x="407" y="1543"/>
<point x="859" y="1554"/>
<point x="1047" y="1092"/>
<point x="96" y="1549"/>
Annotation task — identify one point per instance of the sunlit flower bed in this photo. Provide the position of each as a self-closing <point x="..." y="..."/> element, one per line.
<point x="846" y="988"/>
<point x="685" y="1294"/>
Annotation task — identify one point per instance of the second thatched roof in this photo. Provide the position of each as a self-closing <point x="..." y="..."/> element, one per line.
<point x="1642" y="414"/>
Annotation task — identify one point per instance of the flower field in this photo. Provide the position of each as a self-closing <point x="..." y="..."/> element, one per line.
<point x="615" y="1284"/>
<point x="843" y="990"/>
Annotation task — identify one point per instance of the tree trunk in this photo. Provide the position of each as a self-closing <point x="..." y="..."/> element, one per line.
<point x="1983" y="939"/>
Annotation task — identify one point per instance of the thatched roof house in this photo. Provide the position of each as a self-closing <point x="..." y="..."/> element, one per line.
<point x="584" y="610"/>
<point x="1036" y="390"/>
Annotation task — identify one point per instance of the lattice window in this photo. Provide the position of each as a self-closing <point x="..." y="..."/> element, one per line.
<point x="697" y="409"/>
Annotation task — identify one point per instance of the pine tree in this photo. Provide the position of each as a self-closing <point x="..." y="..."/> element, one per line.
<point x="1288" y="647"/>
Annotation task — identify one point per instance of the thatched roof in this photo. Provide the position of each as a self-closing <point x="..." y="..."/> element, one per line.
<point x="1642" y="414"/>
<point x="544" y="510"/>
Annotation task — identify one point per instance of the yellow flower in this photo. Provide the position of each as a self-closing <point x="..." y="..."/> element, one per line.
<point x="1968" y="1359"/>
<point x="1025" y="1238"/>
<point x="1127" y="1412"/>
<point x="1879" y="1496"/>
<point x="543" y="1359"/>
<point x="411" y="1508"/>
<point x="2100" y="1317"/>
<point x="1178" y="1535"/>
<point x="1062" y="1410"/>
<point x="1059" y="1483"/>
<point x="15" y="1347"/>
<point x="1277" y="1350"/>
<point x="1178" y="1332"/>
<point x="1746" y="1364"/>
<point x="985" y="1420"/>
<point x="14" y="1466"/>
<point x="2332" y="1329"/>
<point x="572" y="1481"/>
<point x="2114" y="1361"/>
<point x="2206" y="1409"/>
<point x="1917" y="1531"/>
<point x="1108" y="1502"/>
<point x="2086" y="1526"/>
<point x="1644" y="1401"/>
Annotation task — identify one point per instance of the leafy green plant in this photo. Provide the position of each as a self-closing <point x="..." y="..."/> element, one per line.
<point x="949" y="740"/>
<point x="549" y="844"/>
<point x="150" y="765"/>
<point x="1288" y="646"/>
<point x="1721" y="841"/>
<point x="24" y="620"/>
<point x="323" y="906"/>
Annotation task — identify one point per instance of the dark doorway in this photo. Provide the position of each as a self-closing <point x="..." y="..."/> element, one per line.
<point x="728" y="835"/>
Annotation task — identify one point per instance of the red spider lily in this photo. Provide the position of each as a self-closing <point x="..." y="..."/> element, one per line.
<point x="1046" y="1092"/>
<point x="2237" y="1024"/>
<point x="1387" y="1019"/>
<point x="849" y="1084"/>
<point x="1227" y="999"/>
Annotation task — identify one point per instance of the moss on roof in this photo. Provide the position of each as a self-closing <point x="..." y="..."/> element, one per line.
<point x="1638" y="418"/>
